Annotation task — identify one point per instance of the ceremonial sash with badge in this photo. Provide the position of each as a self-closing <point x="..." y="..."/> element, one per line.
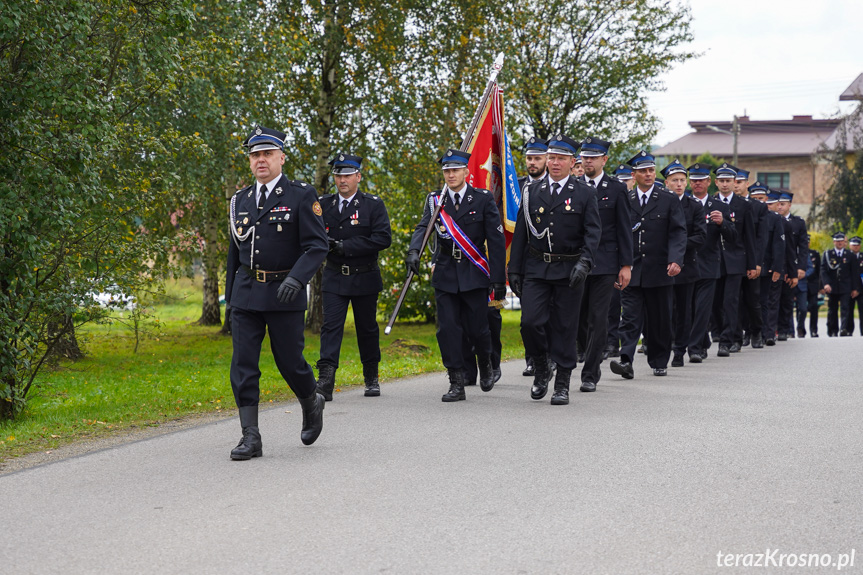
<point x="463" y="242"/>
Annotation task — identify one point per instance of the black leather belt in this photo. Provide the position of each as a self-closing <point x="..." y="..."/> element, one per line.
<point x="347" y="270"/>
<point x="264" y="276"/>
<point x="548" y="258"/>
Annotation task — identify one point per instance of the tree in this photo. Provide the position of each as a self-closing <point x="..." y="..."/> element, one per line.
<point x="79" y="171"/>
<point x="586" y="68"/>
<point x="841" y="208"/>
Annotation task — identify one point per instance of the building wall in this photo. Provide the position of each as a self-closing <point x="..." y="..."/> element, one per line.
<point x="807" y="179"/>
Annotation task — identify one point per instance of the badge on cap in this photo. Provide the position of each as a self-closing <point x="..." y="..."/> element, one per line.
<point x="342" y="158"/>
<point x="449" y="153"/>
<point x="258" y="131"/>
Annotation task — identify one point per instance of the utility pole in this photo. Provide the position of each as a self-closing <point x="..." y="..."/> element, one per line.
<point x="735" y="130"/>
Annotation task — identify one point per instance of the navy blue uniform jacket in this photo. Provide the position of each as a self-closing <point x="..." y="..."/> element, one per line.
<point x="478" y="218"/>
<point x="696" y="234"/>
<point x="774" y="249"/>
<point x="658" y="237"/>
<point x="288" y="233"/>
<point x="710" y="254"/>
<point x="361" y="240"/>
<point x="572" y="220"/>
<point x="615" y="244"/>
<point x="739" y="255"/>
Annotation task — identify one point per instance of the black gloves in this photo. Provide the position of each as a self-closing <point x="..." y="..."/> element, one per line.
<point x="337" y="247"/>
<point x="515" y="283"/>
<point x="579" y="273"/>
<point x="412" y="261"/>
<point x="289" y="289"/>
<point x="497" y="291"/>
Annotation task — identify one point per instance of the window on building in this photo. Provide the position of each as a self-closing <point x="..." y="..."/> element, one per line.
<point x="775" y="179"/>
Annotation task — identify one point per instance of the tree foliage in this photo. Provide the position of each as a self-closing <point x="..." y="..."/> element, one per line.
<point x="841" y="208"/>
<point x="78" y="169"/>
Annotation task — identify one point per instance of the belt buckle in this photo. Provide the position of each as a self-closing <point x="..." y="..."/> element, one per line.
<point x="456" y="253"/>
<point x="346" y="270"/>
<point x="546" y="258"/>
<point x="261" y="276"/>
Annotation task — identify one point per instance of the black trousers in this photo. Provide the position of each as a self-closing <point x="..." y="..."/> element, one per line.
<point x="749" y="316"/>
<point x="702" y="306"/>
<point x="593" y="324"/>
<point x="549" y="319"/>
<point x="813" y="307"/>
<point x="287" y="342"/>
<point x="613" y="322"/>
<point x="495" y="323"/>
<point x="725" y="307"/>
<point x="786" y="308"/>
<point x="366" y="323"/>
<point x="650" y="306"/>
<point x="462" y="315"/>
<point x="857" y="302"/>
<point x="770" y="292"/>
<point x="801" y="303"/>
<point x="835" y="303"/>
<point x="681" y="317"/>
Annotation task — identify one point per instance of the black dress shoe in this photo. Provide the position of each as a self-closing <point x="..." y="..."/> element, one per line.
<point x="694" y="358"/>
<point x="313" y="417"/>
<point x="541" y="379"/>
<point x="801" y="333"/>
<point x="613" y="351"/>
<point x="677" y="361"/>
<point x="587" y="386"/>
<point x="844" y="333"/>
<point x="757" y="341"/>
<point x="604" y="354"/>
<point x="813" y="334"/>
<point x="496" y="375"/>
<point x="373" y="388"/>
<point x="622" y="368"/>
<point x="660" y="371"/>
<point x="782" y="337"/>
<point x="456" y="386"/>
<point x="769" y="342"/>
<point x="746" y="340"/>
<point x="723" y="351"/>
<point x="704" y="354"/>
<point x="735" y="348"/>
<point x="528" y="369"/>
<point x="249" y="446"/>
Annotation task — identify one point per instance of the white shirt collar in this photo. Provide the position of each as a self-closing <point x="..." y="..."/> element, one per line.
<point x="562" y="182"/>
<point x="342" y="199"/>
<point x="641" y="194"/>
<point x="594" y="180"/>
<point x="461" y="192"/>
<point x="722" y="197"/>
<point x="271" y="185"/>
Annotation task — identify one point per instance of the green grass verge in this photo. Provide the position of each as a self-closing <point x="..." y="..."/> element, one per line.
<point x="181" y="369"/>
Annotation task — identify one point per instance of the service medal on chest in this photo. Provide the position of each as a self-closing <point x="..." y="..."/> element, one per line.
<point x="355" y="222"/>
<point x="541" y="210"/>
<point x="239" y="231"/>
<point x="245" y="221"/>
<point x="279" y="227"/>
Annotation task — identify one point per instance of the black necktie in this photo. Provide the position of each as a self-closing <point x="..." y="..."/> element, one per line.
<point x="643" y="200"/>
<point x="592" y="183"/>
<point x="555" y="188"/>
<point x="262" y="198"/>
<point x="457" y="202"/>
<point x="726" y="200"/>
<point x="344" y="206"/>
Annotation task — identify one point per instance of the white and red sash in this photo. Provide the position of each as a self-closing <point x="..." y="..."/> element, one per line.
<point x="463" y="242"/>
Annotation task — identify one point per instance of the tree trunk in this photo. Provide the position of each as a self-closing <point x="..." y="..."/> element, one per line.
<point x="64" y="343"/>
<point x="211" y="312"/>
<point x="327" y="95"/>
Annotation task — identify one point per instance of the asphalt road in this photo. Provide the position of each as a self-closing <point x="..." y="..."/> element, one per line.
<point x="759" y="452"/>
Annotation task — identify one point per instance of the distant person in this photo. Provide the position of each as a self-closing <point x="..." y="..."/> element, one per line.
<point x="841" y="279"/>
<point x="857" y="302"/>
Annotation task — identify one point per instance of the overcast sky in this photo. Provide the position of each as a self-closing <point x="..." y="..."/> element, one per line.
<point x="769" y="59"/>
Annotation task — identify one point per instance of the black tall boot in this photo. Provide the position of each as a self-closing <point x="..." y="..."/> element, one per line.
<point x="326" y="380"/>
<point x="541" y="377"/>
<point x="370" y="376"/>
<point x="456" y="386"/>
<point x="486" y="376"/>
<point x="561" y="386"/>
<point x="313" y="417"/>
<point x="250" y="445"/>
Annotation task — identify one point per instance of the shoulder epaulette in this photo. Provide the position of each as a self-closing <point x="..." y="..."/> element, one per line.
<point x="246" y="189"/>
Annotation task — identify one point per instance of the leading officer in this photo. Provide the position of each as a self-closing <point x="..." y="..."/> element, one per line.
<point x="464" y="277"/>
<point x="556" y="235"/>
<point x="278" y="242"/>
<point x="358" y="228"/>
